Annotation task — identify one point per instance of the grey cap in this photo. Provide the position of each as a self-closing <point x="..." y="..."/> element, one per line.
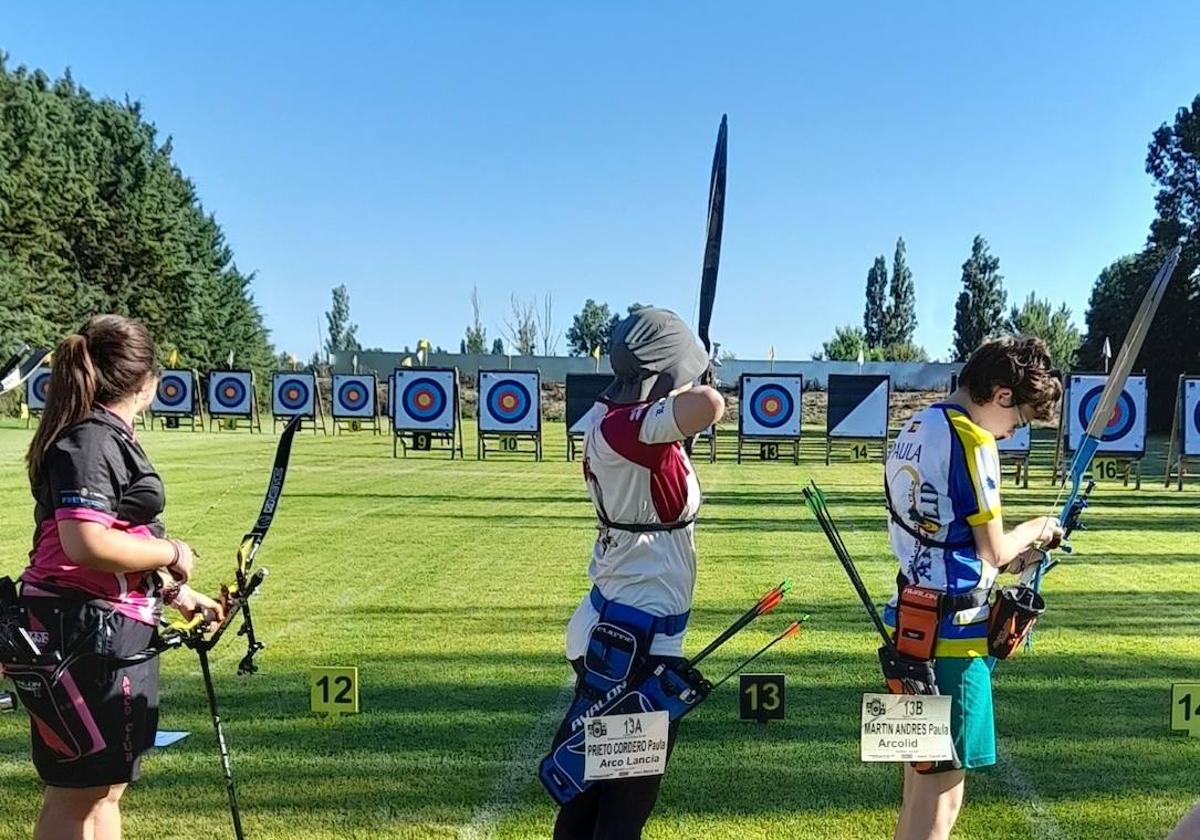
<point x="652" y="352"/>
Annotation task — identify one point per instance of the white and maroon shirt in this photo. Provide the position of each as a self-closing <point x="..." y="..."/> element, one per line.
<point x="96" y="472"/>
<point x="638" y="473"/>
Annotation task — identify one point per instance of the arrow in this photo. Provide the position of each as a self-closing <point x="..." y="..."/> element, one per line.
<point x="793" y="629"/>
<point x="764" y="605"/>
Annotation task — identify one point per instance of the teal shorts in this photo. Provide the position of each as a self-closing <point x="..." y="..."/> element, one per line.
<point x="972" y="714"/>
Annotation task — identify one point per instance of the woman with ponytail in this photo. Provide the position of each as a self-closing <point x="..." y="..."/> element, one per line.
<point x="100" y="570"/>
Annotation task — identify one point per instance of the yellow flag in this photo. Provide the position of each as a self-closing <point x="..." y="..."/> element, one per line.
<point x="406" y="362"/>
<point x="423" y="344"/>
<point x="173" y="361"/>
<point x="596" y="352"/>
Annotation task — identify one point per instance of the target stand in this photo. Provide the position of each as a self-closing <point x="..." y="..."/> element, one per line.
<point x="770" y="411"/>
<point x="1183" y="452"/>
<point x="426" y="409"/>
<point x="177" y="400"/>
<point x="509" y="411"/>
<point x="856" y="413"/>
<point x="295" y="393"/>
<point x="583" y="392"/>
<point x="35" y="394"/>
<point x="355" y="403"/>
<point x="233" y="401"/>
<point x="1123" y="444"/>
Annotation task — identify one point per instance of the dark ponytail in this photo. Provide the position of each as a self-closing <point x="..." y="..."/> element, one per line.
<point x="105" y="362"/>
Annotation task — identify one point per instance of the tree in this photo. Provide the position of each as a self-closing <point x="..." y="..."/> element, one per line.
<point x="498" y="347"/>
<point x="591" y="328"/>
<point x="520" y="328"/>
<point x="95" y="216"/>
<point x="462" y="347"/>
<point x="545" y="327"/>
<point x="846" y="344"/>
<point x="979" y="311"/>
<point x="476" y="338"/>
<point x="876" y="309"/>
<point x="900" y="322"/>
<point x="1036" y="317"/>
<point x="340" y="334"/>
<point x="906" y="351"/>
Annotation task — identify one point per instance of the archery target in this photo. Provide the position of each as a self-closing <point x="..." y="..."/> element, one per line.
<point x="230" y="393"/>
<point x="1019" y="441"/>
<point x="294" y="393"/>
<point x="35" y="389"/>
<point x="509" y="401"/>
<point x="176" y="393"/>
<point x="353" y="395"/>
<point x="1191" y="416"/>
<point x="858" y="405"/>
<point x="1126" y="429"/>
<point x="583" y="392"/>
<point x="770" y="405"/>
<point x="424" y="400"/>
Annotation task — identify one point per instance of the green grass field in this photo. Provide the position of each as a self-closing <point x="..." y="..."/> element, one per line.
<point x="449" y="586"/>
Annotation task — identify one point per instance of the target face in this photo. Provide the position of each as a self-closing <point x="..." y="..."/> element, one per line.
<point x="858" y="405"/>
<point x="509" y="401"/>
<point x="35" y="389"/>
<point x="353" y="395"/>
<point x="1126" y="428"/>
<point x="294" y="393"/>
<point x="230" y="393"/>
<point x="770" y="406"/>
<point x="424" y="400"/>
<point x="1191" y="416"/>
<point x="176" y="393"/>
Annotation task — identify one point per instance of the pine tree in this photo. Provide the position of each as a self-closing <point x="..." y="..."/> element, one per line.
<point x="875" y="314"/>
<point x="979" y="311"/>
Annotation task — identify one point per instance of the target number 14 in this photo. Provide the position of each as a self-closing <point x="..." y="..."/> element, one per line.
<point x="1185" y="708"/>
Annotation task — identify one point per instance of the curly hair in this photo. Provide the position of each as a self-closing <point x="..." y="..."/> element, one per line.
<point x="1021" y="364"/>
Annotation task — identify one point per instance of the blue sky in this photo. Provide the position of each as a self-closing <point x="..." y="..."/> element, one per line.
<point x="410" y="150"/>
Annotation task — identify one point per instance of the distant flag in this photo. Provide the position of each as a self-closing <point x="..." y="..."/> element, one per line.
<point x="1107" y="353"/>
<point x="861" y="359"/>
<point x="354" y="362"/>
<point x="229" y="361"/>
<point x="173" y="359"/>
<point x="596" y="356"/>
<point x="771" y="353"/>
<point x="292" y="360"/>
<point x="406" y="361"/>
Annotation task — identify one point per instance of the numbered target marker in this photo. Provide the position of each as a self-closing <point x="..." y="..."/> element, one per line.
<point x="230" y="393"/>
<point x="424" y="400"/>
<point x="1191" y="416"/>
<point x="761" y="697"/>
<point x="1185" y="708"/>
<point x="294" y="393"/>
<point x="1125" y="431"/>
<point x="176" y="394"/>
<point x="768" y="452"/>
<point x="770" y="406"/>
<point x="36" y="387"/>
<point x="860" y="452"/>
<point x="353" y="396"/>
<point x="509" y="401"/>
<point x="333" y="691"/>
<point x="1107" y="469"/>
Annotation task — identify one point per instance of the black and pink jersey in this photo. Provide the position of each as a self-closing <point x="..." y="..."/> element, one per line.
<point x="96" y="472"/>
<point x="638" y="473"/>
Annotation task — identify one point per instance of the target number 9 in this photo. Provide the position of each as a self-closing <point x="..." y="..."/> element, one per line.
<point x="769" y="452"/>
<point x="1108" y="469"/>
